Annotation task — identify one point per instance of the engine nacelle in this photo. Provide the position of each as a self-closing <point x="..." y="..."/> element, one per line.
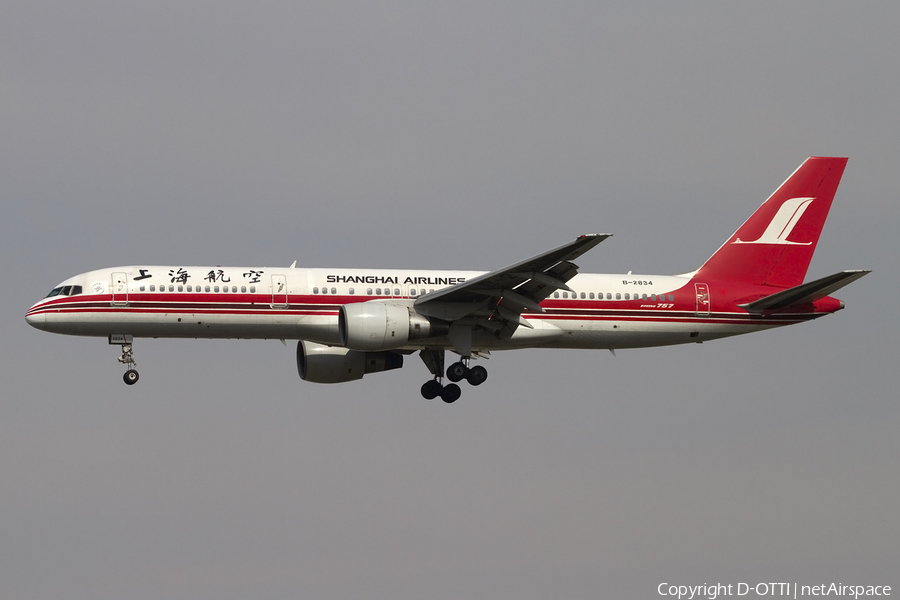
<point x="324" y="364"/>
<point x="373" y="326"/>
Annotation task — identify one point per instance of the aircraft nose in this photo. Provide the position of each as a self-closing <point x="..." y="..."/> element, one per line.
<point x="36" y="320"/>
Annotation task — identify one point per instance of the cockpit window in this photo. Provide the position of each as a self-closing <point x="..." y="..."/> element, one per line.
<point x="68" y="290"/>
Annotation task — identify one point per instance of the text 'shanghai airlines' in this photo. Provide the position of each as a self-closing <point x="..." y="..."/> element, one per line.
<point x="350" y="322"/>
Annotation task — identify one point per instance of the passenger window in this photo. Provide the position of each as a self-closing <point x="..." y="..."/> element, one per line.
<point x="216" y="289"/>
<point x="142" y="288"/>
<point x="352" y="291"/>
<point x="243" y="289"/>
<point x="171" y="288"/>
<point x="252" y="289"/>
<point x="333" y="290"/>
<point x="377" y="291"/>
<point x="152" y="288"/>
<point x="412" y="292"/>
<point x="556" y="294"/>
<point x="671" y="298"/>
<point x="315" y="290"/>
<point x="180" y="288"/>
<point x="592" y="295"/>
<point x="190" y="289"/>
<point x="643" y="296"/>
<point x="234" y="289"/>
<point x="368" y="291"/>
<point x="582" y="295"/>
<point x="618" y="295"/>
<point x="224" y="289"/>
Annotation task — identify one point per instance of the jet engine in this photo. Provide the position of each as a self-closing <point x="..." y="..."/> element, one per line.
<point x="373" y="326"/>
<point x="324" y="364"/>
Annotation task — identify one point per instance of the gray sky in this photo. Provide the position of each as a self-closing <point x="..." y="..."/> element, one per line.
<point x="466" y="135"/>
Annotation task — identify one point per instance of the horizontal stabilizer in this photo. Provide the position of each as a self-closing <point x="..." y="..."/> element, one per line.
<point x="804" y="293"/>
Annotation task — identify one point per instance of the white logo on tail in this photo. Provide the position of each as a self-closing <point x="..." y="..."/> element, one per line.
<point x="783" y="224"/>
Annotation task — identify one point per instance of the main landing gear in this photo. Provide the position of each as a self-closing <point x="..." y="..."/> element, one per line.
<point x="131" y="375"/>
<point x="449" y="393"/>
<point x="460" y="370"/>
<point x="434" y="360"/>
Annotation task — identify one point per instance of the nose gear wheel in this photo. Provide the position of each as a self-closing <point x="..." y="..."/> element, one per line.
<point x="131" y="375"/>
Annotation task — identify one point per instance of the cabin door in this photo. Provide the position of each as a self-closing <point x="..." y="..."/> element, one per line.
<point x="279" y="291"/>
<point x="702" y="291"/>
<point x="119" y="289"/>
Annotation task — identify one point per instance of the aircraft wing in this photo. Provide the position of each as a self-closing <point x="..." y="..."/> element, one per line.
<point x="506" y="293"/>
<point x="804" y="293"/>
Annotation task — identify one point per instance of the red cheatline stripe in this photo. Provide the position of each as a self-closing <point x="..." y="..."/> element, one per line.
<point x="734" y="319"/>
<point x="226" y="306"/>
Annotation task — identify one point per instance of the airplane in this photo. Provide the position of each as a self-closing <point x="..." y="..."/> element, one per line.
<point x="352" y="322"/>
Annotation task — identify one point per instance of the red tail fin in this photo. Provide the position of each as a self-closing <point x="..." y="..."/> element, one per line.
<point x="774" y="246"/>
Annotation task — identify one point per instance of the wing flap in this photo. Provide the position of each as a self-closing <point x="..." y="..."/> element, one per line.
<point x="518" y="287"/>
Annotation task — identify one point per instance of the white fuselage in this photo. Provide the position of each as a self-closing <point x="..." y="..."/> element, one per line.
<point x="603" y="311"/>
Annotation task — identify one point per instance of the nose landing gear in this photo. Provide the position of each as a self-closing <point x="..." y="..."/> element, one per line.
<point x="124" y="340"/>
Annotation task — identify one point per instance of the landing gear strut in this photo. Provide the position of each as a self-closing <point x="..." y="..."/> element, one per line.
<point x="434" y="360"/>
<point x="131" y="375"/>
